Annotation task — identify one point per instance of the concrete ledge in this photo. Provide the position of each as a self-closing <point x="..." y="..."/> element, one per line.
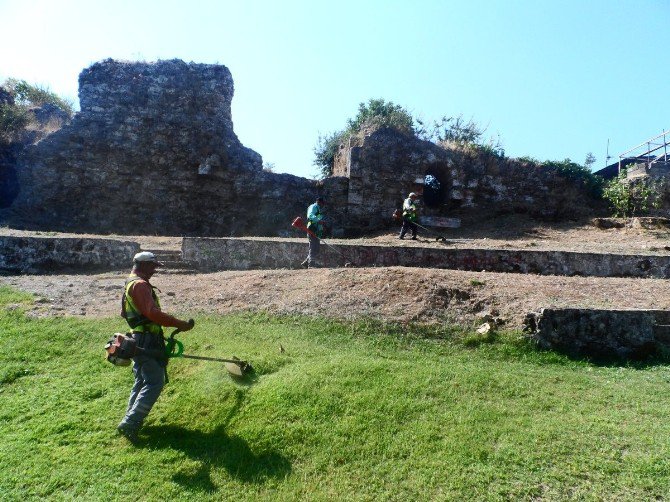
<point x="601" y="334"/>
<point x="53" y="254"/>
<point x="210" y="254"/>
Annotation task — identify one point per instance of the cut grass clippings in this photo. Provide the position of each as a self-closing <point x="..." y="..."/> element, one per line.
<point x="349" y="411"/>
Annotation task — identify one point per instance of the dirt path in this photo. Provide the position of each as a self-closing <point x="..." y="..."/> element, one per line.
<point x="503" y="232"/>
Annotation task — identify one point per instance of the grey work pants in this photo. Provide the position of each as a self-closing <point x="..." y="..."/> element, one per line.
<point x="314" y="248"/>
<point x="149" y="382"/>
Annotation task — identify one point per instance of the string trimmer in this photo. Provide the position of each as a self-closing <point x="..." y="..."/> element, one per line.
<point x="299" y="223"/>
<point x="397" y="216"/>
<point x="121" y="348"/>
<point x="174" y="348"/>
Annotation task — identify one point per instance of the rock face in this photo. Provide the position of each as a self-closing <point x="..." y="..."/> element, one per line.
<point x="384" y="165"/>
<point x="153" y="151"/>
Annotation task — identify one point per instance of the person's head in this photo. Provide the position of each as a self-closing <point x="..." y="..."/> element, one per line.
<point x="413" y="196"/>
<point x="320" y="201"/>
<point x="145" y="263"/>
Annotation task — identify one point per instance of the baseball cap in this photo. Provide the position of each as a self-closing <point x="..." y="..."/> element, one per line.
<point x="147" y="257"/>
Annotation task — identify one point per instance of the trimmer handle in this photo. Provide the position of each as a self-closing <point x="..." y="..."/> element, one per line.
<point x="173" y="347"/>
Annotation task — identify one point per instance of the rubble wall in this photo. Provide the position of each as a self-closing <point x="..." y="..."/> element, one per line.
<point x="211" y="254"/>
<point x="38" y="255"/>
<point x="153" y="151"/>
<point x="599" y="334"/>
<point x="384" y="165"/>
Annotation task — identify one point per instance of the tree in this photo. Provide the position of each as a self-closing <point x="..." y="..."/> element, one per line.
<point x="375" y="113"/>
<point x="325" y="150"/>
<point x="589" y="161"/>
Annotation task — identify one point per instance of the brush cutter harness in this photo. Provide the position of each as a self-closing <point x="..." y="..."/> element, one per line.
<point x="409" y="210"/>
<point x="147" y="334"/>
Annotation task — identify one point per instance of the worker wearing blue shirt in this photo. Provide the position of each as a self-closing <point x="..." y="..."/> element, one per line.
<point x="316" y="227"/>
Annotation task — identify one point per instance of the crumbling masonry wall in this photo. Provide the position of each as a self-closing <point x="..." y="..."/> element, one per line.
<point x="54" y="254"/>
<point x="153" y="151"/>
<point x="384" y="165"/>
<point x="600" y="334"/>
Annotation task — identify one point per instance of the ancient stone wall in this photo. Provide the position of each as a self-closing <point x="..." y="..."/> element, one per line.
<point x="384" y="165"/>
<point x="153" y="151"/>
<point x="599" y="334"/>
<point x="210" y="254"/>
<point x="51" y="254"/>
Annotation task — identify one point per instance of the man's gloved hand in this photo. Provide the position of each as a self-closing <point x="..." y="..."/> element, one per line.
<point x="186" y="325"/>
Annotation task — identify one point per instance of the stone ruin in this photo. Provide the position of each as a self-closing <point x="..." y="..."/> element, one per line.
<point x="382" y="166"/>
<point x="153" y="151"/>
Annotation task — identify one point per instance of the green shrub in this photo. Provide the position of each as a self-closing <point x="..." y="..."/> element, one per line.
<point x="375" y="113"/>
<point x="16" y="114"/>
<point x="13" y="119"/>
<point x="35" y="95"/>
<point x="579" y="174"/>
<point x="325" y="150"/>
<point x="379" y="113"/>
<point x="631" y="199"/>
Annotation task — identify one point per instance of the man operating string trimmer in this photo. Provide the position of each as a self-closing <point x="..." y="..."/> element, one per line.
<point x="316" y="227"/>
<point x="141" y="309"/>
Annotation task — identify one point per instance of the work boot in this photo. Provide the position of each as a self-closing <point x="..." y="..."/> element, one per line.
<point x="129" y="432"/>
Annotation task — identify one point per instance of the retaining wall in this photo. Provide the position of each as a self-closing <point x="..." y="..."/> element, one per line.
<point x="601" y="334"/>
<point x="209" y="254"/>
<point x="52" y="254"/>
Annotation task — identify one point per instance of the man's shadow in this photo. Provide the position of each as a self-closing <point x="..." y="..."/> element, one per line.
<point x="217" y="449"/>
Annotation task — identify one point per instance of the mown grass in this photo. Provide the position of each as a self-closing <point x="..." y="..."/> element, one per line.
<point x="355" y="411"/>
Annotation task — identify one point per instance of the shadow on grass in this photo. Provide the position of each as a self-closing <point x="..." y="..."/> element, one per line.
<point x="216" y="449"/>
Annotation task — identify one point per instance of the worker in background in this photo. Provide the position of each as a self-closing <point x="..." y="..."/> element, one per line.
<point x="316" y="227"/>
<point x="142" y="310"/>
<point x="409" y="216"/>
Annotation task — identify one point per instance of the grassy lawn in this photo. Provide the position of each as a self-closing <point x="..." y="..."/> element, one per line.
<point x="355" y="411"/>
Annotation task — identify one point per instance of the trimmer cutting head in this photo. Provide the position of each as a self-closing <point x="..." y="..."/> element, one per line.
<point x="238" y="368"/>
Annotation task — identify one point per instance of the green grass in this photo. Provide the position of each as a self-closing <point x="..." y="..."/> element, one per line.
<point x="350" y="411"/>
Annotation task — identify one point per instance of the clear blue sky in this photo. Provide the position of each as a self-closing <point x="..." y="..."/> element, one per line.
<point x="554" y="79"/>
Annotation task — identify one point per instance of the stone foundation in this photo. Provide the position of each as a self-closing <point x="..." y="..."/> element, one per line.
<point x="39" y="255"/>
<point x="209" y="254"/>
<point x="600" y="334"/>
